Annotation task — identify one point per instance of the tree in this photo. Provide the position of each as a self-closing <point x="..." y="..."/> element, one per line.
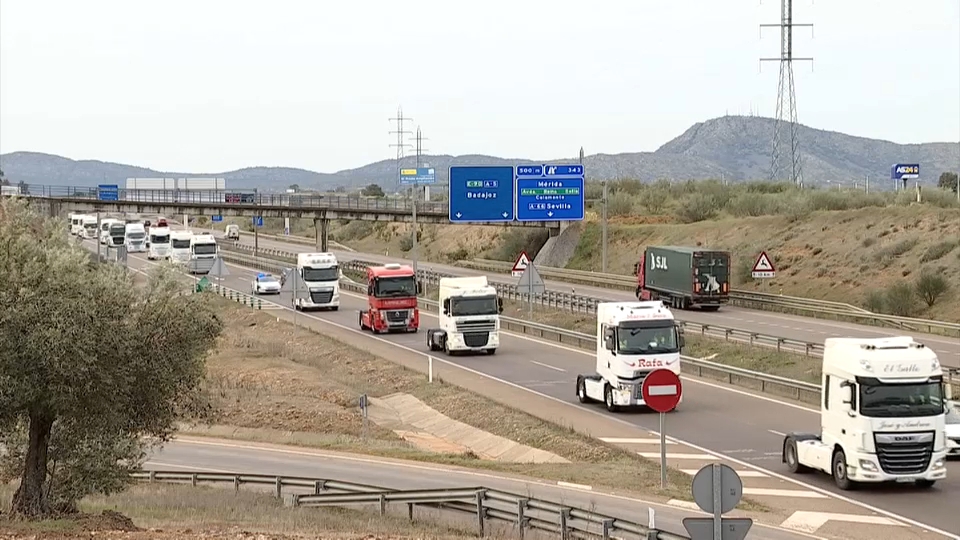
<point x="3" y="179"/>
<point x="948" y="181"/>
<point x="91" y="365"/>
<point x="930" y="287"/>
<point x="294" y="187"/>
<point x="373" y="190"/>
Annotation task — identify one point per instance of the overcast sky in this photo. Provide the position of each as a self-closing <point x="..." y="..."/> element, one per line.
<point x="209" y="86"/>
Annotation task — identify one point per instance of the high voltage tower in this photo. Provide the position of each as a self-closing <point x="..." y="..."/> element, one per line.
<point x="786" y="154"/>
<point x="400" y="145"/>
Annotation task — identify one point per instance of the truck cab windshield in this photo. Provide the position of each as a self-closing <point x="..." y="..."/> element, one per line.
<point x="159" y="238"/>
<point x="136" y="235"/>
<point x="900" y="400"/>
<point x="395" y="286"/>
<point x="205" y="249"/>
<point x="180" y="244"/>
<point x="321" y="274"/>
<point x="479" y="305"/>
<point x="647" y="339"/>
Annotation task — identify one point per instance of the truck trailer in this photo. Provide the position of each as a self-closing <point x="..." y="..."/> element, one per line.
<point x="684" y="277"/>
<point x="392" y="291"/>
<point x="469" y="317"/>
<point x="882" y="416"/>
<point x="633" y="339"/>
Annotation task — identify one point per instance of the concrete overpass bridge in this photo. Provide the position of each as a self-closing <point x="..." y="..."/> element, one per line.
<point x="58" y="200"/>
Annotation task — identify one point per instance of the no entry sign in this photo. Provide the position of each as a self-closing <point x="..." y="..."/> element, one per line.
<point x="661" y="390"/>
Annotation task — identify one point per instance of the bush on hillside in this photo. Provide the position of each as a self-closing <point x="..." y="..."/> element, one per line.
<point x="516" y="240"/>
<point x="698" y="207"/>
<point x="931" y="287"/>
<point x="901" y="300"/>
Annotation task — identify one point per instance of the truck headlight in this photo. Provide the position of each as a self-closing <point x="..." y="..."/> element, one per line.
<point x="938" y="464"/>
<point x="868" y="466"/>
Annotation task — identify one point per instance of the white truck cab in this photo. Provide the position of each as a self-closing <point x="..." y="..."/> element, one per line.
<point x="469" y="316"/>
<point x="203" y="253"/>
<point x="180" y="246"/>
<point x="882" y="415"/>
<point x="633" y="339"/>
<point x="105" y="229"/>
<point x="158" y="244"/>
<point x="321" y="274"/>
<point x="136" y="237"/>
<point x="89" y="227"/>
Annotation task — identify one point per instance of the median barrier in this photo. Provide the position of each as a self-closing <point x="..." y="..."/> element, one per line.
<point x="485" y="504"/>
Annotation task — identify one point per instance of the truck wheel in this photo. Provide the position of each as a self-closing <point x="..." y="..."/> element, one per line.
<point x="582" y="390"/>
<point x="923" y="483"/>
<point x="840" y="471"/>
<point x="491" y="352"/>
<point x="791" y="458"/>
<point x="335" y="308"/>
<point x="430" y="344"/>
<point x="608" y="399"/>
<point x="360" y="318"/>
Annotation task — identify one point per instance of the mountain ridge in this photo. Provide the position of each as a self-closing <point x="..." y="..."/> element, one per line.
<point x="734" y="148"/>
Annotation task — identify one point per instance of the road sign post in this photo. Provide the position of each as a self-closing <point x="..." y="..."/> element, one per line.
<point x="717" y="489"/>
<point x="481" y="194"/>
<point x="763" y="268"/>
<point x="661" y="391"/>
<point x="417" y="177"/>
<point x="531" y="281"/>
<point x="550" y="193"/>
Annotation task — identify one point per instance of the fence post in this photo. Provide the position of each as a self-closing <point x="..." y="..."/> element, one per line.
<point x="607" y="525"/>
<point x="153" y="476"/>
<point x="480" y="512"/>
<point x="383" y="504"/>
<point x="279" y="487"/>
<point x="319" y="486"/>
<point x="521" y="519"/>
<point x="564" y="532"/>
<point x="410" y="511"/>
<point x="236" y="483"/>
<point x="193" y="479"/>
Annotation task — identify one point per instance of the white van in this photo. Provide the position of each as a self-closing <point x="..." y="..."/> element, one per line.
<point x="180" y="246"/>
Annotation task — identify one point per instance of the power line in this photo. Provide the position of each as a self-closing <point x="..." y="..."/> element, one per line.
<point x="786" y="100"/>
<point x="399" y="145"/>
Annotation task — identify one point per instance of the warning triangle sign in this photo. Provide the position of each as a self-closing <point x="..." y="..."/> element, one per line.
<point x="763" y="268"/>
<point x="523" y="261"/>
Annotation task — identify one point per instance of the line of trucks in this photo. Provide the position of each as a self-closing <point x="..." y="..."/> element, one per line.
<point x="885" y="404"/>
<point x="197" y="252"/>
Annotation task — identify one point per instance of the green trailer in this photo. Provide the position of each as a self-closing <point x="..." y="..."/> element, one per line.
<point x="684" y="277"/>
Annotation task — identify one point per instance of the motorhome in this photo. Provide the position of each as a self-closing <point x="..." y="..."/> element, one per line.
<point x="633" y="340"/>
<point x="158" y="244"/>
<point x="180" y="246"/>
<point x="203" y="253"/>
<point x="469" y="317"/>
<point x="76" y="224"/>
<point x="136" y="237"/>
<point x="882" y="415"/>
<point x="320" y="273"/>
<point x="89" y="226"/>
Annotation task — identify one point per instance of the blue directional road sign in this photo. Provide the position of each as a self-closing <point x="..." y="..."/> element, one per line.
<point x="258" y="221"/>
<point x="108" y="192"/>
<point x="550" y="193"/>
<point x="481" y="194"/>
<point x="216" y="219"/>
<point x="416" y="177"/>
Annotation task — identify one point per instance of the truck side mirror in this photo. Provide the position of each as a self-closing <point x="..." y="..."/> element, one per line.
<point x="499" y="305"/>
<point x="609" y="339"/>
<point x="636" y="268"/>
<point x="681" y="340"/>
<point x="419" y="287"/>
<point x="446" y="306"/>
<point x="846" y="394"/>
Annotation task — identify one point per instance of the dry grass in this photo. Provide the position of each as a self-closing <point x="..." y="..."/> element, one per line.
<point x="276" y="382"/>
<point x="177" y="511"/>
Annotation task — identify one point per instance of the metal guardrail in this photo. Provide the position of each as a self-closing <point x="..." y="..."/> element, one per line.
<point x="246" y="199"/>
<point x="487" y="505"/>
<point x="574" y="303"/>
<point x="808" y="307"/>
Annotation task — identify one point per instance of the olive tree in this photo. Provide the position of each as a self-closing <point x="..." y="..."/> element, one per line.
<point x="94" y="369"/>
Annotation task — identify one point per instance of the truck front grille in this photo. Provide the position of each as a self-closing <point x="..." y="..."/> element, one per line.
<point x="321" y="297"/>
<point x="397" y="315"/>
<point x="904" y="453"/>
<point x="477" y="326"/>
<point x="475" y="339"/>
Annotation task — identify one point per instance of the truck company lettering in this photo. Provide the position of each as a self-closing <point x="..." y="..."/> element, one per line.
<point x="901" y="368"/>
<point x="644" y="363"/>
<point x="658" y="262"/>
<point x="906" y="424"/>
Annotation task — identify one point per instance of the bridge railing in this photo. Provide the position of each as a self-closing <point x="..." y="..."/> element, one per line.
<point x="242" y="199"/>
<point x="486" y="504"/>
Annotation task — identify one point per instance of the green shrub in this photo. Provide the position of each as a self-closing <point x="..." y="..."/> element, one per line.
<point x="619" y="204"/>
<point x="698" y="208"/>
<point x="930" y="287"/>
<point x="938" y="250"/>
<point x="901" y="300"/>
<point x="875" y="302"/>
<point x="895" y="250"/>
<point x="654" y="200"/>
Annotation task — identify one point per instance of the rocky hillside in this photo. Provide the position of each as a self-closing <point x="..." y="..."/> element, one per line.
<point x="736" y="148"/>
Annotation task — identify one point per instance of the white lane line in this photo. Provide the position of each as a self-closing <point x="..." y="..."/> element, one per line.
<point x="811" y="521"/>
<point x="741" y="474"/>
<point x="629" y="440"/>
<point x="777" y="433"/>
<point x="177" y="467"/>
<point x="684" y="504"/>
<point x="629" y="425"/>
<point x="798" y="493"/>
<point x="700" y="457"/>
<point x="548" y="366"/>
<point x="575" y="486"/>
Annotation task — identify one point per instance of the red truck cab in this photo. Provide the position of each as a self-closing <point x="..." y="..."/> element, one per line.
<point x="392" y="291"/>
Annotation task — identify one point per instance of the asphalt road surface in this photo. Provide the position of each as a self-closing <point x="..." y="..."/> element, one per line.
<point x="764" y="322"/>
<point x="743" y="428"/>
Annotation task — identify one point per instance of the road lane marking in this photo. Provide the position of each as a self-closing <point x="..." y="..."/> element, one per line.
<point x="741" y="474"/>
<point x="779" y="476"/>
<point x="575" y="486"/>
<point x="811" y="521"/>
<point x="799" y="493"/>
<point x="548" y="366"/>
<point x="777" y="433"/>
<point x="656" y="455"/>
<point x="629" y="440"/>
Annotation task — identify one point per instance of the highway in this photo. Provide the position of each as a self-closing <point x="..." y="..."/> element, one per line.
<point x="237" y="456"/>
<point x="776" y="324"/>
<point x="713" y="421"/>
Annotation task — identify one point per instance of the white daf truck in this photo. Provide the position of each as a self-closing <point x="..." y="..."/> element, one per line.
<point x="158" y="243"/>
<point x="882" y="415"/>
<point x="320" y="273"/>
<point x="633" y="339"/>
<point x="469" y="317"/>
<point x="203" y="253"/>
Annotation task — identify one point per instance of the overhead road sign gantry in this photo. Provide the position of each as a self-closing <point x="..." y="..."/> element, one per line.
<point x="550" y="193"/>
<point x="417" y="177"/>
<point x="481" y="194"/>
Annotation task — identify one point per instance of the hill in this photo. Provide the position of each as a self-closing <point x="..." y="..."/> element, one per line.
<point x="736" y="148"/>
